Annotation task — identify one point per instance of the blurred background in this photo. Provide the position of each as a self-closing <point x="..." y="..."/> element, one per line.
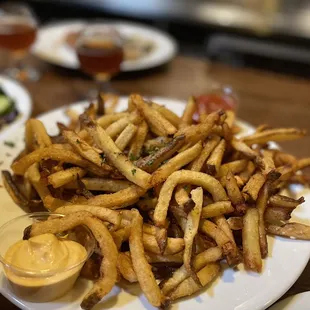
<point x="269" y="34"/>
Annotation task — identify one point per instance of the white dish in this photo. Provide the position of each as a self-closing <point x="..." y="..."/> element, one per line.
<point x="51" y="46"/>
<point x="297" y="302"/>
<point x="236" y="290"/>
<point x="23" y="104"/>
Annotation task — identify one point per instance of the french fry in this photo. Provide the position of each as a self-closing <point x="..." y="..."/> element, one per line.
<point x="106" y="120"/>
<point x="140" y="265"/>
<point x="291" y="230"/>
<point x="253" y="186"/>
<point x="104" y="214"/>
<point x="116" y="128"/>
<point x="195" y="133"/>
<point x="101" y="184"/>
<point x="216" y="209"/>
<point x="175" y="163"/>
<point x="125" y="267"/>
<point x="250" y="241"/>
<point x="116" y="157"/>
<point x="235" y="167"/>
<point x="118" y="200"/>
<point x="157" y="123"/>
<point x="207" y="182"/>
<point x="191" y="230"/>
<point x="235" y="223"/>
<point x="63" y="177"/>
<point x="189" y="286"/>
<point x="164" y="258"/>
<point x="277" y="135"/>
<point x="173" y="246"/>
<point x="39" y="133"/>
<point x="216" y="156"/>
<point x="284" y="201"/>
<point x="168" y="114"/>
<point x="187" y="117"/>
<point x="277" y="216"/>
<point x="138" y="141"/>
<point x="53" y="152"/>
<point x="209" y="146"/>
<point x="125" y="137"/>
<point x="154" y="160"/>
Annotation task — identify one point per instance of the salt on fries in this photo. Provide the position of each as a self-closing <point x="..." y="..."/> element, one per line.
<point x="166" y="198"/>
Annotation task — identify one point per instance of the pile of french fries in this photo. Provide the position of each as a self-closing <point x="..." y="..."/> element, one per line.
<point x="167" y="199"/>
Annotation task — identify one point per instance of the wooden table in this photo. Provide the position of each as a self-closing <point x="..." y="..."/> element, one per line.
<point x="264" y="98"/>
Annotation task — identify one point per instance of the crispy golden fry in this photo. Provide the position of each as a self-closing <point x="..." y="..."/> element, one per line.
<point x="50" y="203"/>
<point x="153" y="145"/>
<point x="252" y="188"/>
<point x="230" y="119"/>
<point x="53" y="152"/>
<point x="138" y="141"/>
<point x="235" y="223"/>
<point x="282" y="159"/>
<point x="173" y="246"/>
<point x="154" y="160"/>
<point x="234" y="194"/>
<point x="63" y="177"/>
<point x="189" y="286"/>
<point x="247" y="172"/>
<point x="158" y="124"/>
<point x="207" y="182"/>
<point x="191" y="229"/>
<point x="118" y="200"/>
<point x="85" y="150"/>
<point x="140" y="265"/>
<point x="106" y="120"/>
<point x="116" y="157"/>
<point x="261" y="205"/>
<point x="250" y="241"/>
<point x="39" y="133"/>
<point x="244" y="149"/>
<point x="291" y="230"/>
<point x="108" y="272"/>
<point x="268" y="161"/>
<point x="168" y="114"/>
<point x="187" y="117"/>
<point x="125" y="267"/>
<point x="209" y="146"/>
<point x="175" y="163"/>
<point x="200" y="132"/>
<point x="277" y="216"/>
<point x="104" y="214"/>
<point x="201" y="260"/>
<point x="111" y="101"/>
<point x="100" y="184"/>
<point x="235" y="167"/>
<point x="74" y="118"/>
<point x="216" y="209"/>
<point x="126" y="136"/>
<point x="233" y="258"/>
<point x="284" y="201"/>
<point x="116" y="128"/>
<point x="216" y="156"/>
<point x="218" y="235"/>
<point x="277" y="135"/>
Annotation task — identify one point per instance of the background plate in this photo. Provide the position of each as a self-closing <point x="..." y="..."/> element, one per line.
<point x="51" y="46"/>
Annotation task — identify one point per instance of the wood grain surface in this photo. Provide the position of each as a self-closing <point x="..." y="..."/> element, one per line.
<point x="264" y="98"/>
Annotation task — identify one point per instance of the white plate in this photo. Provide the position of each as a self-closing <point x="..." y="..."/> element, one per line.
<point x="297" y="302"/>
<point x="236" y="290"/>
<point x="51" y="46"/>
<point x="23" y="104"/>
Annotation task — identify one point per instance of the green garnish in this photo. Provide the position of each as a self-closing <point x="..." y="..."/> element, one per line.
<point x="78" y="141"/>
<point x="133" y="171"/>
<point x="9" y="143"/>
<point x="103" y="158"/>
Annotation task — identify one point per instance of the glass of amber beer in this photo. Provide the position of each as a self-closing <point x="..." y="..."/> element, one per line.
<point x="18" y="28"/>
<point x="99" y="48"/>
